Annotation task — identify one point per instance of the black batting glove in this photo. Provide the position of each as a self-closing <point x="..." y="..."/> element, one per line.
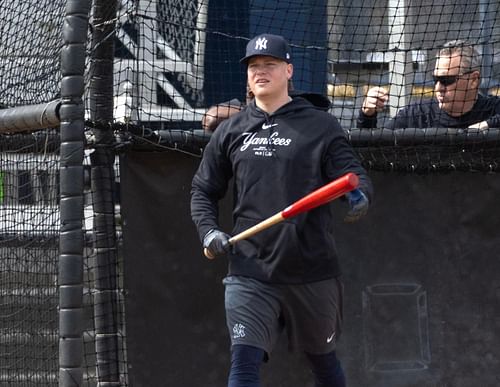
<point x="358" y="204"/>
<point x="216" y="242"/>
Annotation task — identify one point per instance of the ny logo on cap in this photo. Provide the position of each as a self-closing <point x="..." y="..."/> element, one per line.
<point x="261" y="44"/>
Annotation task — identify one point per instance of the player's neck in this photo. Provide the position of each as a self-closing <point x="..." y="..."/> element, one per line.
<point x="270" y="104"/>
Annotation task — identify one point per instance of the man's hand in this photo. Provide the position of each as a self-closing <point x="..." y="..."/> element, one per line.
<point x="216" y="114"/>
<point x="216" y="243"/>
<point x="375" y="100"/>
<point x="480" y="125"/>
<point x="358" y="203"/>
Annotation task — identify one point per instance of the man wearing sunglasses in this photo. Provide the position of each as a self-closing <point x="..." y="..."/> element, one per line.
<point x="457" y="102"/>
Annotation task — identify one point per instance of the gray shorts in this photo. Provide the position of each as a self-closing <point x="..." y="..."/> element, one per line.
<point x="258" y="312"/>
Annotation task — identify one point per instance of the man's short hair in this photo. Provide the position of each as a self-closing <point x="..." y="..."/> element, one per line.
<point x="470" y="59"/>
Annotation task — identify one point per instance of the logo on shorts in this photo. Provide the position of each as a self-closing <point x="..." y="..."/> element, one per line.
<point x="238" y="331"/>
<point x="330" y="338"/>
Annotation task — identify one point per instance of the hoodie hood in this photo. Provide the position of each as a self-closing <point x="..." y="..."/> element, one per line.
<point x="318" y="100"/>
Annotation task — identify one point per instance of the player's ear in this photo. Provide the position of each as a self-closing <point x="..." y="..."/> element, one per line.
<point x="289" y="70"/>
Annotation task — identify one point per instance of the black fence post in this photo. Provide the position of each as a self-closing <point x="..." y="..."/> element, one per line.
<point x="103" y="190"/>
<point x="71" y="242"/>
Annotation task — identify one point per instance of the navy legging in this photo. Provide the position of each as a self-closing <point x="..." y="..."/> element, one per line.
<point x="327" y="370"/>
<point x="246" y="361"/>
<point x="245" y="365"/>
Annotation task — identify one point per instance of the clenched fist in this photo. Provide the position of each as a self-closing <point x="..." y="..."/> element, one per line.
<point x="375" y="100"/>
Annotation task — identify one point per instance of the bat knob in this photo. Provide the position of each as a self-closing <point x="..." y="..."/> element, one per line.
<point x="207" y="253"/>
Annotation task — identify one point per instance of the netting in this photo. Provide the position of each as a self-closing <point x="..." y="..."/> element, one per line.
<point x="177" y="58"/>
<point x="28" y="264"/>
<point x="31" y="43"/>
<point x="171" y="61"/>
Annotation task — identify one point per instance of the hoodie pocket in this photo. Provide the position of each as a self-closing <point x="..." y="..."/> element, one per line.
<point x="276" y="246"/>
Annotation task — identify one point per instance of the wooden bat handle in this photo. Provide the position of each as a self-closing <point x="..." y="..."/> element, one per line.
<point x="276" y="218"/>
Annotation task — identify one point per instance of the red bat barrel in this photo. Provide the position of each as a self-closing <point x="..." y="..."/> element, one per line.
<point x="325" y="194"/>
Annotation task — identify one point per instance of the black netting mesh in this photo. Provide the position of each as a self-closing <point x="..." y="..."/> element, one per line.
<point x="29" y="227"/>
<point x="172" y="60"/>
<point x="30" y="43"/>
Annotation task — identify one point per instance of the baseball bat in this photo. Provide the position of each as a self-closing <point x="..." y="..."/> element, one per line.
<point x="322" y="195"/>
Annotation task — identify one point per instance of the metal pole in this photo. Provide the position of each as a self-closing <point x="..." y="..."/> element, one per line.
<point x="71" y="243"/>
<point x="30" y="117"/>
<point x="487" y="18"/>
<point x="400" y="64"/>
<point x="146" y="53"/>
<point x="102" y="186"/>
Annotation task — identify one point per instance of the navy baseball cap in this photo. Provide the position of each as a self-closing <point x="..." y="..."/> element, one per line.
<point x="270" y="45"/>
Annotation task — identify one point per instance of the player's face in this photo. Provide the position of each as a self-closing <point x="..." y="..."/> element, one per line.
<point x="268" y="76"/>
<point x="455" y="89"/>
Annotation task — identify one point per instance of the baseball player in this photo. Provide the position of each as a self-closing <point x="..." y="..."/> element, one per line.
<point x="286" y="278"/>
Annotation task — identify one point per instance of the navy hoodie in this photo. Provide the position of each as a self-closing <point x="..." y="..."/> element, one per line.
<point x="274" y="160"/>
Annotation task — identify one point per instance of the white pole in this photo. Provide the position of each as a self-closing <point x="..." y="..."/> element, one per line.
<point x="400" y="70"/>
<point x="146" y="51"/>
<point x="200" y="41"/>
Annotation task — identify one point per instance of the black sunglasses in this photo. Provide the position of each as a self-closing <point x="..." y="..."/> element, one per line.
<point x="447" y="80"/>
